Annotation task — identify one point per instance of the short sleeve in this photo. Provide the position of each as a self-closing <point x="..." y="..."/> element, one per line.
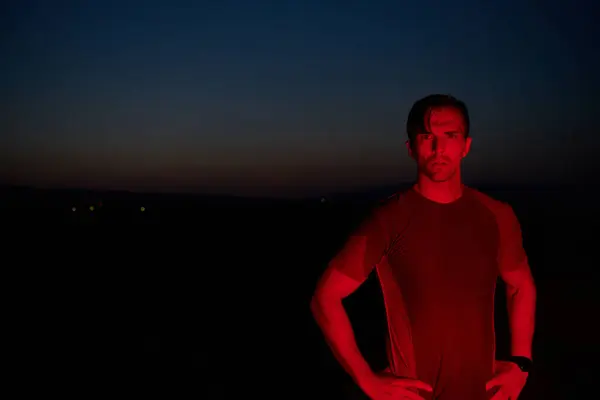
<point x="511" y="254"/>
<point x="364" y="249"/>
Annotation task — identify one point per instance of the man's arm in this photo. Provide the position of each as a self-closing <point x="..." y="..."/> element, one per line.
<point x="344" y="274"/>
<point x="331" y="316"/>
<point x="520" y="287"/>
<point x="521" y="299"/>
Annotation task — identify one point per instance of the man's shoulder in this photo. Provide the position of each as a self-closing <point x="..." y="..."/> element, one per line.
<point x="497" y="207"/>
<point x="393" y="206"/>
<point x="397" y="198"/>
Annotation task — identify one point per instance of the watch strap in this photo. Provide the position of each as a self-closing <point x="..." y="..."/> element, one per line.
<point x="525" y="364"/>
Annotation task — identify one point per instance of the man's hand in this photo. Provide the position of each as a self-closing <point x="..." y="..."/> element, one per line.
<point x="386" y="386"/>
<point x="509" y="379"/>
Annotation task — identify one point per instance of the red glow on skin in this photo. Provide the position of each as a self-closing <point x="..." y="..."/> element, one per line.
<point x="438" y="153"/>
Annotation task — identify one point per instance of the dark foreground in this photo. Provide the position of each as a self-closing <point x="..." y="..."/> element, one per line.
<point x="202" y="297"/>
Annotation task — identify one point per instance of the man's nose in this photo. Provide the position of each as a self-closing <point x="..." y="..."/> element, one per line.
<point x="439" y="146"/>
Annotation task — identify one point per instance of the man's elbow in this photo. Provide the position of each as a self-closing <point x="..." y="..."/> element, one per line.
<point x="527" y="285"/>
<point x="316" y="302"/>
<point x="317" y="308"/>
<point x="524" y="288"/>
<point x="532" y="289"/>
<point x="321" y="301"/>
<point x="519" y="281"/>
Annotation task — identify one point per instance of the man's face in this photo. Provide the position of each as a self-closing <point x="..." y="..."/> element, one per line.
<point x="440" y="149"/>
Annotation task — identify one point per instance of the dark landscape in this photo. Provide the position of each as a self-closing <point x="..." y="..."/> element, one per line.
<point x="209" y="295"/>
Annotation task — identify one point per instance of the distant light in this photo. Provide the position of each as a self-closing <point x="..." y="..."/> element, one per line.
<point x="323" y="200"/>
<point x="74" y="209"/>
<point x="142" y="209"/>
<point x="91" y="208"/>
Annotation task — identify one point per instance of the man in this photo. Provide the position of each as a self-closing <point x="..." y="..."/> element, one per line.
<point x="438" y="249"/>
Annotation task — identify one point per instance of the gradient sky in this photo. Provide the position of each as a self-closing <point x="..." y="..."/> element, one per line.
<point x="266" y="96"/>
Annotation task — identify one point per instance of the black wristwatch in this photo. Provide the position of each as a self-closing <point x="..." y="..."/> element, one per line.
<point x="523" y="363"/>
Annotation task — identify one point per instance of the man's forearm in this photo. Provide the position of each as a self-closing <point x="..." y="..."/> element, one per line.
<point x="521" y="312"/>
<point x="337" y="329"/>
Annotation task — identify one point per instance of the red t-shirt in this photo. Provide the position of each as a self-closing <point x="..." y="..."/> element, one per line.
<point x="438" y="265"/>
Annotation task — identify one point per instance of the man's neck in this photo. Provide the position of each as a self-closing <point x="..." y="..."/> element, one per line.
<point x="440" y="192"/>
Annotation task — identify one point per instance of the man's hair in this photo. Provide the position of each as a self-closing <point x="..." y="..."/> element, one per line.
<point x="415" y="123"/>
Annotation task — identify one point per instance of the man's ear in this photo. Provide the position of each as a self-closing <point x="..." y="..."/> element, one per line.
<point x="409" y="148"/>
<point x="467" y="147"/>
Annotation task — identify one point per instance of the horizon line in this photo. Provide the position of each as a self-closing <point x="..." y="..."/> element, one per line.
<point x="286" y="194"/>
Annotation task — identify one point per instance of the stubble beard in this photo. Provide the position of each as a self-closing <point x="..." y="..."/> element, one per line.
<point x="439" y="174"/>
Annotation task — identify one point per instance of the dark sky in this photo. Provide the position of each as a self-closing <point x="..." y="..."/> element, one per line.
<point x="270" y="96"/>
